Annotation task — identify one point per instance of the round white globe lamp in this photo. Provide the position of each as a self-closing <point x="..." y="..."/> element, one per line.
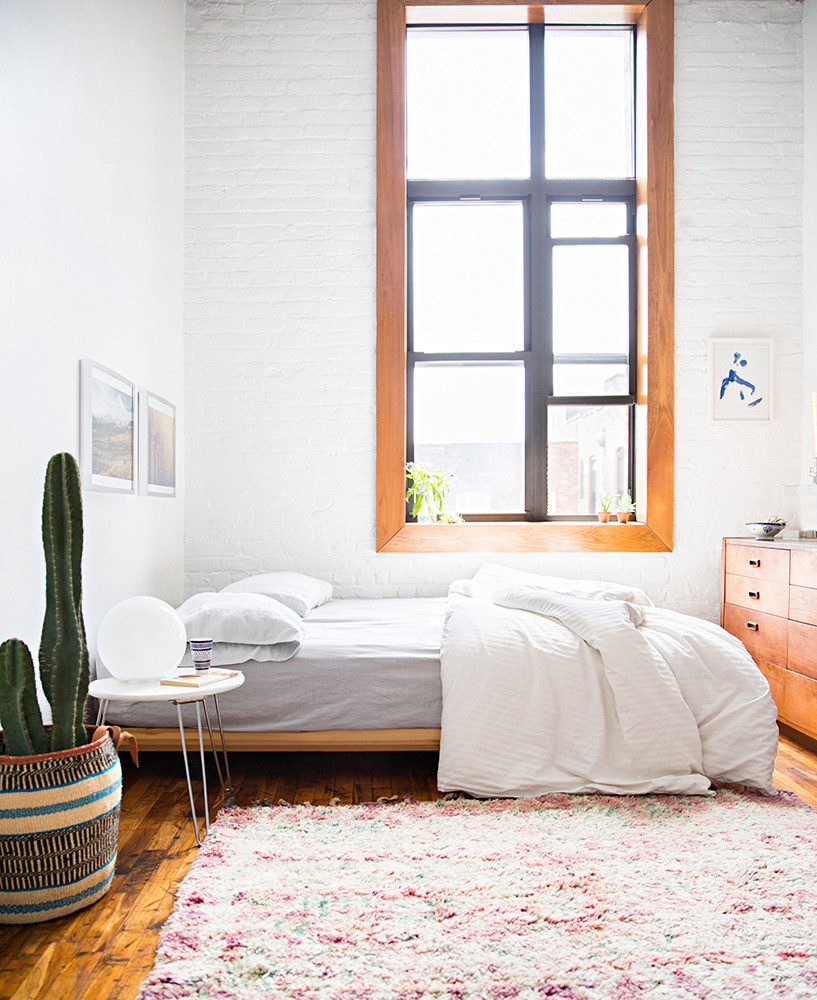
<point x="141" y="639"/>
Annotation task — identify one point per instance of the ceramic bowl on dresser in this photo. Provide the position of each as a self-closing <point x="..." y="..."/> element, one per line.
<point x="765" y="529"/>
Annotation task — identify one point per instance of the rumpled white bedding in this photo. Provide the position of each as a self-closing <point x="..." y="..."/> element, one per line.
<point x="549" y="692"/>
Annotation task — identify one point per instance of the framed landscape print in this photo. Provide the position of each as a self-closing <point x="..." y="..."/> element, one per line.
<point x="157" y="445"/>
<point x="740" y="375"/>
<point x="107" y="429"/>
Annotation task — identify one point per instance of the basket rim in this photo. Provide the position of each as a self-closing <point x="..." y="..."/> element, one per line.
<point x="38" y="758"/>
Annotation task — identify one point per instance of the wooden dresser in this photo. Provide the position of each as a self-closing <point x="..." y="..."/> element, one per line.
<point x="769" y="601"/>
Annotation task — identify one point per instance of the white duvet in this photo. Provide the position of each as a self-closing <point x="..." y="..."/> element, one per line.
<point x="550" y="690"/>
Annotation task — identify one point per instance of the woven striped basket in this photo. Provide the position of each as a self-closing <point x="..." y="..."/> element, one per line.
<point x="59" y="821"/>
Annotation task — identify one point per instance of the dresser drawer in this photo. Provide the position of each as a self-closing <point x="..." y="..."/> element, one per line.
<point x="757" y="595"/>
<point x="803" y="605"/>
<point x="795" y="697"/>
<point x="802" y="658"/>
<point x="765" y="636"/>
<point x="776" y="676"/>
<point x="759" y="562"/>
<point x="804" y="568"/>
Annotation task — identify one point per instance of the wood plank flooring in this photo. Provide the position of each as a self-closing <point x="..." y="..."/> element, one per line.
<point x="103" y="952"/>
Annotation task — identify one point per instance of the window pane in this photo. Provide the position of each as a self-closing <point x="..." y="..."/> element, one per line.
<point x="467" y="103"/>
<point x="591" y="299"/>
<point x="588" y="102"/>
<point x="590" y="380"/>
<point x="469" y="420"/>
<point x="588" y="447"/>
<point x="579" y="219"/>
<point x="467" y="277"/>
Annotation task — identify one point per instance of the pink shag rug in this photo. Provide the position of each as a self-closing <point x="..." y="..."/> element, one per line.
<point x="584" y="897"/>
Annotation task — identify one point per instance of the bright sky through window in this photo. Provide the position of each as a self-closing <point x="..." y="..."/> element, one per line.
<point x="468" y="103"/>
<point x="588" y="103"/>
<point x="468" y="278"/>
<point x="469" y="403"/>
<point x="591" y="303"/>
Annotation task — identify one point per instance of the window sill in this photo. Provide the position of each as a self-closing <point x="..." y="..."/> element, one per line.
<point x="526" y="536"/>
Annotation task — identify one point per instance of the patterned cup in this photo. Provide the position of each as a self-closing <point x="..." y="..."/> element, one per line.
<point x="202" y="650"/>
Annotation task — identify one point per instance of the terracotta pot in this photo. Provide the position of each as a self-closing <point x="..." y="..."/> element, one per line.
<point x="623" y="516"/>
<point x="59" y="819"/>
<point x="603" y="516"/>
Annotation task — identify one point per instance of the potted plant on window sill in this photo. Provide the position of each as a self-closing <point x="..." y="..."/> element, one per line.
<point x="606" y="501"/>
<point x="625" y="509"/>
<point x="57" y="851"/>
<point x="426" y="493"/>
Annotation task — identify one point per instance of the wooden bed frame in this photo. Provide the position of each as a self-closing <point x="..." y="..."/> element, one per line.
<point x="329" y="739"/>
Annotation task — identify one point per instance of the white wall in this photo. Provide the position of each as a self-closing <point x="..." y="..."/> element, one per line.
<point x="91" y="118"/>
<point x="809" y="501"/>
<point x="280" y="317"/>
<point x="739" y="182"/>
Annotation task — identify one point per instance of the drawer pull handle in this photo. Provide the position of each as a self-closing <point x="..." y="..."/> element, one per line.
<point x="755" y="563"/>
<point x="753" y="626"/>
<point x="754" y="594"/>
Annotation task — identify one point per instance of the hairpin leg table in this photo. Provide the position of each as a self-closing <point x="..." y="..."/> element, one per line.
<point x="109" y="689"/>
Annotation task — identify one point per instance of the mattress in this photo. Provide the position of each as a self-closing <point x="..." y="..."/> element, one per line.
<point x="364" y="664"/>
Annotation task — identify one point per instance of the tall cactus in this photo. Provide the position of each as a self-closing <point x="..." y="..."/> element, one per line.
<point x="64" y="665"/>
<point x="19" y="712"/>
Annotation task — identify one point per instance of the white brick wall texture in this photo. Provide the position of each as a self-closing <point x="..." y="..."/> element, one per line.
<point x="280" y="310"/>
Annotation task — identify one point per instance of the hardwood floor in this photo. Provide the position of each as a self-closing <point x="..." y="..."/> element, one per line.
<point x="103" y="952"/>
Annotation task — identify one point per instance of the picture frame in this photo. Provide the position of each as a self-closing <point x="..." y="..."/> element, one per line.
<point x="107" y="445"/>
<point x="741" y="378"/>
<point x="157" y="445"/>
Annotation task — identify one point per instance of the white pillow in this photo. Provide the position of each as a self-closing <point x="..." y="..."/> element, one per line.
<point x="300" y="592"/>
<point x="491" y="577"/>
<point x="251" y="619"/>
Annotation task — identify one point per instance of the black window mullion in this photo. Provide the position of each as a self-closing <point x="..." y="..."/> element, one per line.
<point x="539" y="372"/>
<point x="512" y="190"/>
<point x="592" y="241"/>
<point x="459" y="357"/>
<point x="409" y="345"/>
<point x="409" y="429"/>
<point x="633" y="371"/>
<point x="590" y="190"/>
<point x="591" y="359"/>
<point x="410" y="280"/>
<point x="598" y="400"/>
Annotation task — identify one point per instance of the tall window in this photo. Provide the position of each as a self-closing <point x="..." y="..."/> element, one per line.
<point x="525" y="276"/>
<point x="521" y="276"/>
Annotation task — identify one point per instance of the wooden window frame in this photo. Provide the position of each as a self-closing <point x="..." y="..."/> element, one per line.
<point x="656" y="290"/>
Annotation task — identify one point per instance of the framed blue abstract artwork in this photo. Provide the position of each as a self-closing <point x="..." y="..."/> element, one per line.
<point x="740" y="375"/>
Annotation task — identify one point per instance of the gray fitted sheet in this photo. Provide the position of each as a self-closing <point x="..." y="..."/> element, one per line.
<point x="364" y="664"/>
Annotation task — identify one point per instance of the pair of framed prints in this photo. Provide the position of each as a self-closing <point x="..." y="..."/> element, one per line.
<point x="127" y="437"/>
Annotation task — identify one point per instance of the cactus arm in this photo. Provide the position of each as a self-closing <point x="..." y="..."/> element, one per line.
<point x="64" y="664"/>
<point x="19" y="712"/>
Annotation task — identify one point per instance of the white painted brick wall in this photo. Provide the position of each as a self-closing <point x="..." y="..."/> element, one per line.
<point x="809" y="501"/>
<point x="280" y="327"/>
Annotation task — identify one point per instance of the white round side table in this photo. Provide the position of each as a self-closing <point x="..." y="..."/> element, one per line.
<point x="108" y="689"/>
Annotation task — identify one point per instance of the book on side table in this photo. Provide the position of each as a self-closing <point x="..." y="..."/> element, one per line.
<point x="199" y="678"/>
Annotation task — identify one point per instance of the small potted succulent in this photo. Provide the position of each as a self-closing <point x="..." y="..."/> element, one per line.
<point x="606" y="501"/>
<point x="449" y="518"/>
<point x="625" y="508"/>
